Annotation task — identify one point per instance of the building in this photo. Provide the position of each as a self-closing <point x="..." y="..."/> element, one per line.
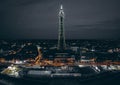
<point x="61" y="34"/>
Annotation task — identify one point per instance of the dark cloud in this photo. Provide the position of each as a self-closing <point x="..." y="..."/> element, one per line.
<point x="104" y="29"/>
<point x="108" y="24"/>
<point x="36" y="19"/>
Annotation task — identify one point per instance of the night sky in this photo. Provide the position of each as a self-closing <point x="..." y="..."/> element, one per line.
<point x="38" y="19"/>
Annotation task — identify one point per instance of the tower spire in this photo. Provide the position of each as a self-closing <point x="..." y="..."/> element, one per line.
<point x="61" y="7"/>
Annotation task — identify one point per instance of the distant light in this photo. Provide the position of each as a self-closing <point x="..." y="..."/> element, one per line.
<point x="92" y="50"/>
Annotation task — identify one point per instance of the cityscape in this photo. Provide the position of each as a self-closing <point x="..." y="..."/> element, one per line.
<point x="59" y="61"/>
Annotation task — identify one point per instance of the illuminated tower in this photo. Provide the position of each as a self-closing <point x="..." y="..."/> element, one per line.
<point x="61" y="34"/>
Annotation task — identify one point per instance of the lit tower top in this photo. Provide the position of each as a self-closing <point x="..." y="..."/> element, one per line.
<point x="61" y="35"/>
<point x="61" y="12"/>
<point x="61" y="7"/>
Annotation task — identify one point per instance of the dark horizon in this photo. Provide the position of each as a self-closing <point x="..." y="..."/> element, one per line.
<point x="38" y="19"/>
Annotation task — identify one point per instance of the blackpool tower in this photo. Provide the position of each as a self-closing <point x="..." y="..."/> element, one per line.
<point x="61" y="34"/>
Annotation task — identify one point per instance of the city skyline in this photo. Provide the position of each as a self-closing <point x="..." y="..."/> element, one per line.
<point x="38" y="19"/>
